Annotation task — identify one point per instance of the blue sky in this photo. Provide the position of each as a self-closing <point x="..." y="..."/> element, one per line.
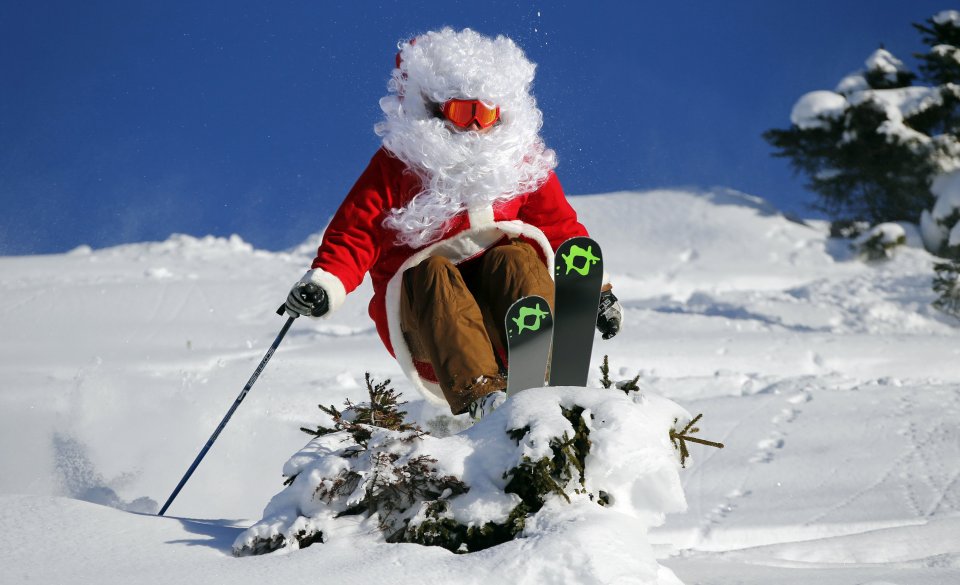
<point x="124" y="121"/>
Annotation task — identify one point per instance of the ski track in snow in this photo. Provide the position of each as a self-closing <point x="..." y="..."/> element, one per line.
<point x="832" y="383"/>
<point x="931" y="469"/>
<point x="916" y="453"/>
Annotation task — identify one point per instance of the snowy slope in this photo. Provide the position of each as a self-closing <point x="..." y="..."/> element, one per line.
<point x="833" y="384"/>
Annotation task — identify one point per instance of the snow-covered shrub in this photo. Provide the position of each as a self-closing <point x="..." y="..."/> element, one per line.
<point x="946" y="283"/>
<point x="368" y="470"/>
<point x="880" y="242"/>
<point x="608" y="452"/>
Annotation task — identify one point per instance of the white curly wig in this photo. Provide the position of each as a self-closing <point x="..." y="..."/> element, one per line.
<point x="461" y="170"/>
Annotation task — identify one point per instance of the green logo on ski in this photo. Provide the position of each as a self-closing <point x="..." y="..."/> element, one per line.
<point x="576" y="252"/>
<point x="521" y="321"/>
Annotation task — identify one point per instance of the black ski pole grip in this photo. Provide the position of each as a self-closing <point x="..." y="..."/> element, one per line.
<point x="312" y="294"/>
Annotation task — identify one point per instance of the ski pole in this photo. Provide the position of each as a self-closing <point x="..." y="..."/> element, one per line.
<point x="223" y="423"/>
<point x="311" y="294"/>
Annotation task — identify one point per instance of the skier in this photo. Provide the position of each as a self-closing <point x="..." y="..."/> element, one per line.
<point x="457" y="215"/>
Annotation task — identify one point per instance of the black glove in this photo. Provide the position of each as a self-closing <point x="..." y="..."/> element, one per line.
<point x="610" y="315"/>
<point x="307" y="299"/>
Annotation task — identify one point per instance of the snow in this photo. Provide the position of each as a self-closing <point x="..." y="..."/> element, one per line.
<point x="934" y="235"/>
<point x="954" y="238"/>
<point x="852" y="83"/>
<point x="832" y="382"/>
<point x="939" y="225"/>
<point x="898" y="104"/>
<point x="880" y="241"/>
<point x="883" y="60"/>
<point x="812" y="107"/>
<point x="888" y="233"/>
<point x="946" y="188"/>
<point x="880" y="60"/>
<point x="951" y="17"/>
<point x="946" y="51"/>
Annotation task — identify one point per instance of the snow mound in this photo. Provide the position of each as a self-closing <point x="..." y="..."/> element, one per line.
<point x="612" y="475"/>
<point x="187" y="247"/>
<point x="675" y="242"/>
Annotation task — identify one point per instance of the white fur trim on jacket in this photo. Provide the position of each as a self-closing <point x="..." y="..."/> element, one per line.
<point x="456" y="249"/>
<point x="336" y="293"/>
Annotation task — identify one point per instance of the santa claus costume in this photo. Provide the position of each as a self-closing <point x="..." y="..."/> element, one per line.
<point x="452" y="221"/>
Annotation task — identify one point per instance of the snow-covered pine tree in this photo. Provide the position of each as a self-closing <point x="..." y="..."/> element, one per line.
<point x="884" y="71"/>
<point x="939" y="114"/>
<point x="859" y="147"/>
<point x="939" y="224"/>
<point x="512" y="475"/>
<point x="941" y="33"/>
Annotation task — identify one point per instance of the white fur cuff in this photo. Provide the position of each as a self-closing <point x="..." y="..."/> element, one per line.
<point x="336" y="293"/>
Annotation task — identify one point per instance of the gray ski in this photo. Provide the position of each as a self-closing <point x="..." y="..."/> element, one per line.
<point x="578" y="276"/>
<point x="529" y="325"/>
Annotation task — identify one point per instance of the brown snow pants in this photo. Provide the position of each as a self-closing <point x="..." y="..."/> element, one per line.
<point x="452" y="315"/>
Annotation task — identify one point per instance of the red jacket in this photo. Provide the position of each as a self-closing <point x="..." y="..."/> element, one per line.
<point x="356" y="242"/>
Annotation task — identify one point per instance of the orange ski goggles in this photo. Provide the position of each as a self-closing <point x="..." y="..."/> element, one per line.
<point x="463" y="113"/>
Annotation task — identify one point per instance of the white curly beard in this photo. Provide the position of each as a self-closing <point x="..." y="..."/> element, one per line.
<point x="462" y="171"/>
